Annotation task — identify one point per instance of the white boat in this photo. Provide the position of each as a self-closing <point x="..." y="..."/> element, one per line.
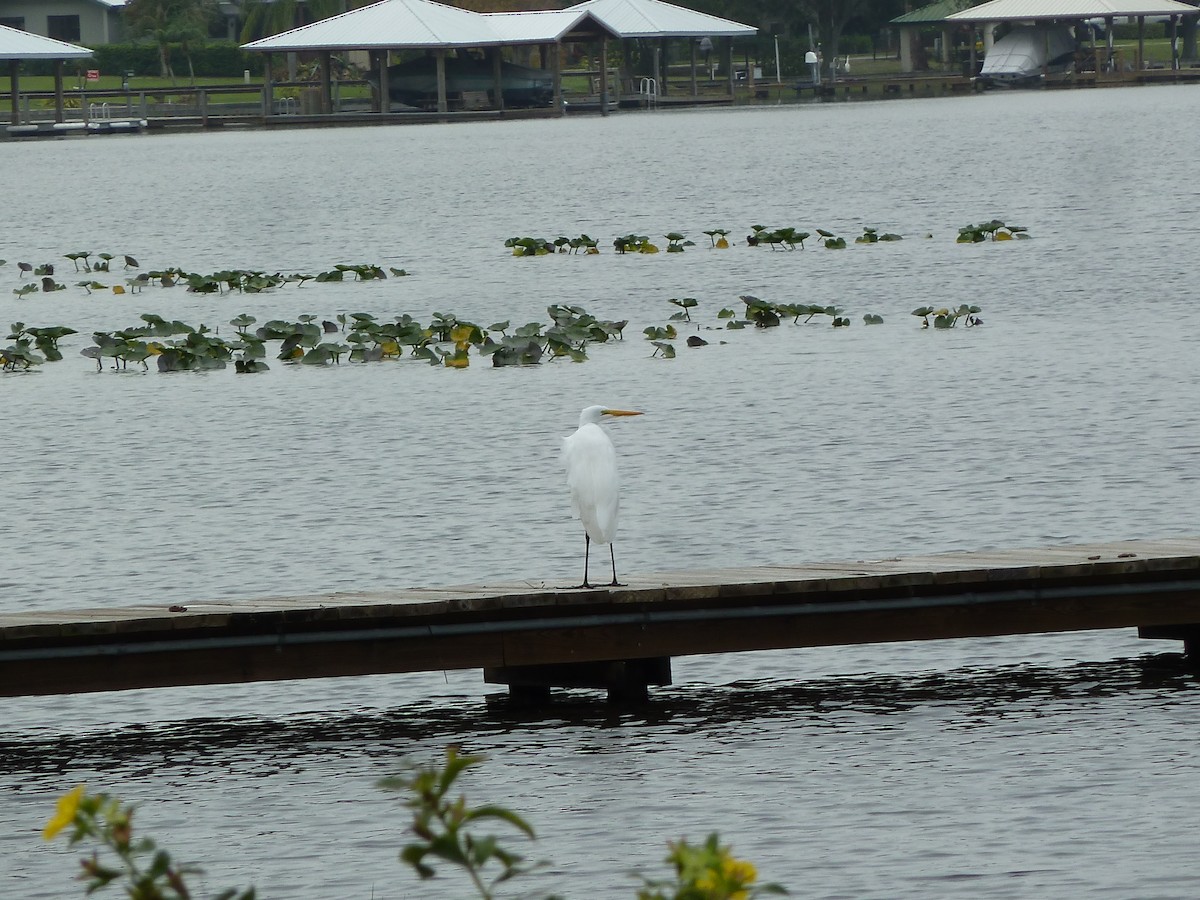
<point x="1027" y="53"/>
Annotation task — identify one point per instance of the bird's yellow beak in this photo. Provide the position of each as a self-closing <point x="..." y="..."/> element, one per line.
<point x="619" y="412"/>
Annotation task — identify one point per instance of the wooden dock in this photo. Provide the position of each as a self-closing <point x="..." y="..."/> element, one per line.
<point x="533" y="637"/>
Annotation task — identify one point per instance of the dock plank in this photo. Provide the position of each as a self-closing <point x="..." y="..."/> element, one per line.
<point x="1152" y="584"/>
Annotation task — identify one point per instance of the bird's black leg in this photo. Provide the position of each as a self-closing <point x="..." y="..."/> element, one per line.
<point x="587" y="546"/>
<point x="613" y="555"/>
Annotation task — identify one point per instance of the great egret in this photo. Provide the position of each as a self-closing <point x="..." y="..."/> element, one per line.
<point x="591" y="463"/>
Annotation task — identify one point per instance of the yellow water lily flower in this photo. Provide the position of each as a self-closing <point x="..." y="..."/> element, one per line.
<point x="64" y="813"/>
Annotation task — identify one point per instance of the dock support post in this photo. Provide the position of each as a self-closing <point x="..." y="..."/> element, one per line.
<point x="58" y="91"/>
<point x="379" y="60"/>
<point x="1189" y="634"/>
<point x="662" y="65"/>
<point x="625" y="680"/>
<point x="498" y="78"/>
<point x="727" y="62"/>
<point x="1141" y="39"/>
<point x="268" y="94"/>
<point x="695" y="85"/>
<point x="440" y="56"/>
<point x="556" y="68"/>
<point x="385" y="86"/>
<point x="326" y="83"/>
<point x="14" y="69"/>
<point x="604" y="76"/>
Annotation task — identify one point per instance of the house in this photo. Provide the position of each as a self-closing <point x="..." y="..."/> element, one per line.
<point x="87" y="22"/>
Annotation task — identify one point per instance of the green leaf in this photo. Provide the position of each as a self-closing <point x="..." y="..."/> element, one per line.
<point x="503" y="814"/>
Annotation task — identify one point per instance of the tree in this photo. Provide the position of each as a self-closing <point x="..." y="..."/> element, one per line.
<point x="828" y="17"/>
<point x="267" y="17"/>
<point x="170" y="22"/>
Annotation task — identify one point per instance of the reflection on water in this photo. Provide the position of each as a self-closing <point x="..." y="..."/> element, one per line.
<point x="980" y="693"/>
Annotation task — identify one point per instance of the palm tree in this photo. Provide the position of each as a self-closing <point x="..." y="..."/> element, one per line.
<point x="169" y="22"/>
<point x="267" y="17"/>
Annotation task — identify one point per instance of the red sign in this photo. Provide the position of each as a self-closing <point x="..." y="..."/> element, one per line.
<point x="93" y="74"/>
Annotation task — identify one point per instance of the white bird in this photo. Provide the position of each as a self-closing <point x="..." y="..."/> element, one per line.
<point x="591" y="463"/>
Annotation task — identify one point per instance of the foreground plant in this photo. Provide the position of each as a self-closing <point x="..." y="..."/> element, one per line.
<point x="707" y="871"/>
<point x="442" y="822"/>
<point x="146" y="872"/>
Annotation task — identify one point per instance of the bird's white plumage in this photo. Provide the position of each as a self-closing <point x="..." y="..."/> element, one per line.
<point x="591" y="463"/>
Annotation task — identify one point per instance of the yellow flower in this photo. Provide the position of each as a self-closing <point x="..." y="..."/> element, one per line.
<point x="740" y="871"/>
<point x="64" y="814"/>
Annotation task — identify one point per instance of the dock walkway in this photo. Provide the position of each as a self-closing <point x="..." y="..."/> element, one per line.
<point x="534" y="636"/>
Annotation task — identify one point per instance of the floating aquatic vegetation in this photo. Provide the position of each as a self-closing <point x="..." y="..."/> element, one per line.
<point x="995" y="230"/>
<point x="775" y="238"/>
<point x="26" y="339"/>
<point x="762" y="313"/>
<point x="872" y="236"/>
<point x="80" y="255"/>
<point x="809" y="311"/>
<point x="660" y="332"/>
<point x="718" y="237"/>
<point x="634" y="243"/>
<point x="663" y="348"/>
<point x="676" y="242"/>
<point x="685" y="305"/>
<point x="529" y="246"/>
<point x="832" y="241"/>
<point x="945" y="317"/>
<point x="574" y="245"/>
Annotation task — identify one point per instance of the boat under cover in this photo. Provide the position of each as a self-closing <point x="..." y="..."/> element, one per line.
<point x="1027" y="52"/>
<point x="414" y="83"/>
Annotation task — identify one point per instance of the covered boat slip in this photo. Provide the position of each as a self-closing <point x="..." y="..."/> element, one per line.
<point x="477" y="41"/>
<point x="1041" y="26"/>
<point x="1030" y="52"/>
<point x="16" y="45"/>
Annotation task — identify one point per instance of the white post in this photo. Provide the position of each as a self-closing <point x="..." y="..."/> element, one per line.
<point x="778" y="73"/>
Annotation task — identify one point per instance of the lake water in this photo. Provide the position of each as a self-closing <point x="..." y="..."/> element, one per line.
<point x="1047" y="766"/>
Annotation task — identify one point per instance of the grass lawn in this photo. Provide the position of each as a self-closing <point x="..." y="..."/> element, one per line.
<point x="71" y="84"/>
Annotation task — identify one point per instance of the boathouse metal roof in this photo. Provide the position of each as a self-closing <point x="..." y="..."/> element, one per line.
<point x="425" y="24"/>
<point x="654" y="18"/>
<point x="1045" y="10"/>
<point x="391" y="24"/>
<point x="546" y="26"/>
<point x="17" y="44"/>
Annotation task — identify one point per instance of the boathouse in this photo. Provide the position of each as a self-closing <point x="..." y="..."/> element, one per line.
<point x="438" y="29"/>
<point x="986" y="17"/>
<point x="17" y="45"/>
